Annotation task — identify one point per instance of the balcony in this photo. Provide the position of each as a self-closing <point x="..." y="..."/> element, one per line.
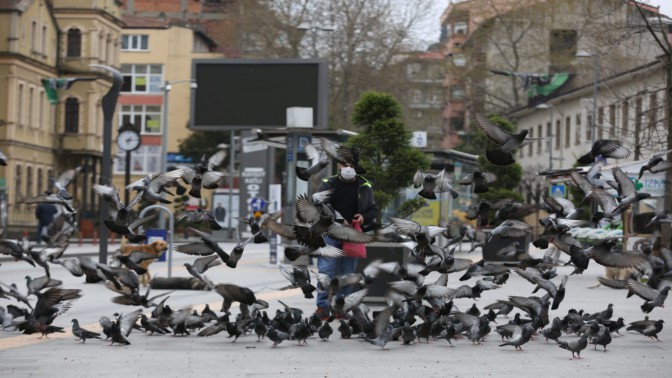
<point x="81" y="143"/>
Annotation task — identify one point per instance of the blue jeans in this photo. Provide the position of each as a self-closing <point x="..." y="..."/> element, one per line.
<point x="333" y="267"/>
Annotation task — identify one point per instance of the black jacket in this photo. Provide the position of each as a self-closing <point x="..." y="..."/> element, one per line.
<point x="366" y="204"/>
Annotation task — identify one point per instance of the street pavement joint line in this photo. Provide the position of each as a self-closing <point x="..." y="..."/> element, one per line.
<point x="27" y="340"/>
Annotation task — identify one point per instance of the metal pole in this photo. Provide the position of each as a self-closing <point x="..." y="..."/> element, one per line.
<point x="109" y="104"/>
<point x="550" y="141"/>
<point x="232" y="157"/>
<point x="164" y="143"/>
<point x="596" y="79"/>
<point x="127" y="176"/>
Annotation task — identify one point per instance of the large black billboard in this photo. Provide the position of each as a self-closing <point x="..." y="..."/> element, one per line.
<point x="244" y="94"/>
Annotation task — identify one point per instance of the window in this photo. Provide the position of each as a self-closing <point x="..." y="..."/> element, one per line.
<point x="144" y="160"/>
<point x="33" y="37"/>
<point x="40" y="110"/>
<point x="638" y="115"/>
<point x="558" y="133"/>
<point x="142" y="78"/>
<point x="31" y="99"/>
<point x="568" y="131"/>
<point x="18" y="196"/>
<point x="413" y="70"/>
<point x="624" y="118"/>
<point x="460" y="28"/>
<point x="44" y="40"/>
<point x="457" y="93"/>
<point x="653" y="110"/>
<point x="101" y="47"/>
<point x="29" y="182"/>
<point x="146" y="117"/>
<point x="74" y="42"/>
<point x="562" y="47"/>
<point x="539" y="131"/>
<point x="600" y="123"/>
<point x="530" y="147"/>
<point x="459" y="60"/>
<point x="135" y="42"/>
<point x="19" y="106"/>
<point x="549" y="136"/>
<point x="40" y="181"/>
<point x="71" y="115"/>
<point x="589" y="127"/>
<point x="612" y="120"/>
<point x="578" y="130"/>
<point x="415" y="96"/>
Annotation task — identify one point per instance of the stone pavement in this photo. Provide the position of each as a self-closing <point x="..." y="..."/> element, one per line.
<point x="169" y="356"/>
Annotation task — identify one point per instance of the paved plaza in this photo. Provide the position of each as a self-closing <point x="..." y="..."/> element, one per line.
<point x="170" y="356"/>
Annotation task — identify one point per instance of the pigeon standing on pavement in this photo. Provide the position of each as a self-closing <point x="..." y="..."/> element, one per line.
<point x="520" y="336"/>
<point x="81" y="333"/>
<point x="575" y="346"/>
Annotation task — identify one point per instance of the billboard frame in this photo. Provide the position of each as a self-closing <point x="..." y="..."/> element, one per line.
<point x="322" y="91"/>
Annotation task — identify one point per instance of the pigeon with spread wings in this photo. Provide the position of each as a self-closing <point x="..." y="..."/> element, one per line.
<point x="506" y="141"/>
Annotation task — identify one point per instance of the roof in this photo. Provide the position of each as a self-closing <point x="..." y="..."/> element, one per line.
<point x="277" y="137"/>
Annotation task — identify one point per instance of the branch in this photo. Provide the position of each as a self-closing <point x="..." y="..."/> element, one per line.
<point x="663" y="47"/>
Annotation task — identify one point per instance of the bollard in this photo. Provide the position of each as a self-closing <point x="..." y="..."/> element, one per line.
<point x="95" y="237"/>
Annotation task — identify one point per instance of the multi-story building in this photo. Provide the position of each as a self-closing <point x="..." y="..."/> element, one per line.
<point x="149" y="62"/>
<point x="47" y="40"/>
<point x="629" y="108"/>
<point x="530" y="42"/>
<point x="423" y="97"/>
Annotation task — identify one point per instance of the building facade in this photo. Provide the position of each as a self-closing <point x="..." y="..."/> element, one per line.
<point x="45" y="135"/>
<point x="149" y="62"/>
<point x="506" y="55"/>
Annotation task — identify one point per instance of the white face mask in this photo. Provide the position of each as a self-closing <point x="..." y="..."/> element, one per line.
<point x="348" y="173"/>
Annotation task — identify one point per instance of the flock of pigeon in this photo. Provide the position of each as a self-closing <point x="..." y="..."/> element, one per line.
<point x="416" y="310"/>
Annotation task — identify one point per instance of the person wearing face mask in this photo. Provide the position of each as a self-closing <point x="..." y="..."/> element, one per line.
<point x="352" y="198"/>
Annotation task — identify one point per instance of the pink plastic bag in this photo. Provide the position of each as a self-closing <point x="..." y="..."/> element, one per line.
<point x="355" y="249"/>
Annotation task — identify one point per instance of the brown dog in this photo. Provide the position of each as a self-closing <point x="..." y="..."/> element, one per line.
<point x="156" y="248"/>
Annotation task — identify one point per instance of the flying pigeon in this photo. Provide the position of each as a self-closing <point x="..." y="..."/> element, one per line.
<point x="506" y="141"/>
<point x="608" y="148"/>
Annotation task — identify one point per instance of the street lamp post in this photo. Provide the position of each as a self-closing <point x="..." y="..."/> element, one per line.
<point x="596" y="79"/>
<point x="164" y="134"/>
<point x="314" y="29"/>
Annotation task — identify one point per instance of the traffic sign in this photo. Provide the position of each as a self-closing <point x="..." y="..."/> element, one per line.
<point x="257" y="204"/>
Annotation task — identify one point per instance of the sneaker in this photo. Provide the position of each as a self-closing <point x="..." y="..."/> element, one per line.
<point x="323" y="313"/>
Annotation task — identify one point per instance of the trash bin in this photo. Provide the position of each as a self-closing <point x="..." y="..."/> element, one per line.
<point x="388" y="252"/>
<point x="153" y="234"/>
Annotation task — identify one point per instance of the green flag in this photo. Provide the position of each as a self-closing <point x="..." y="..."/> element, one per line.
<point x="538" y="85"/>
<point x="51" y="86"/>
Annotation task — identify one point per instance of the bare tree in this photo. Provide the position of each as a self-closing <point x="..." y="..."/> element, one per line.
<point x="362" y="40"/>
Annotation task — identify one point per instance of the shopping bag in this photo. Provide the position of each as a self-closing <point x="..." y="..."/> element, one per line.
<point x="354" y="249"/>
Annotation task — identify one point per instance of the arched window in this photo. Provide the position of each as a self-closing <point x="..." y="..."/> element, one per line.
<point x="71" y="115"/>
<point x="29" y="182"/>
<point x="18" y="192"/>
<point x="74" y="42"/>
<point x="40" y="181"/>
